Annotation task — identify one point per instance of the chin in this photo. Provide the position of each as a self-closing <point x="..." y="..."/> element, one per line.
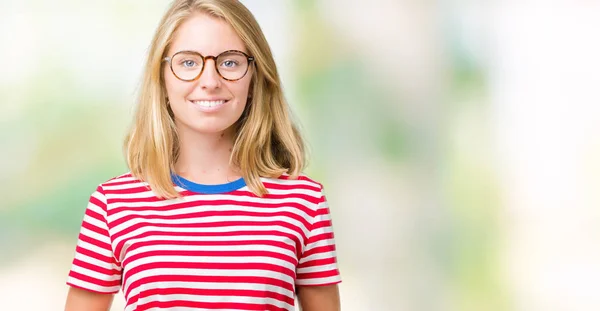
<point x="211" y="129"/>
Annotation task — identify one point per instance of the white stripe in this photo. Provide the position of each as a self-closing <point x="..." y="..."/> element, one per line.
<point x="308" y="192"/>
<point x="208" y="220"/>
<point x="202" y="199"/>
<point x="319" y="281"/>
<point x="328" y="267"/>
<point x="321" y="230"/>
<point x="120" y="179"/>
<point x="91" y="286"/>
<point x="202" y="298"/>
<point x="316" y="256"/>
<point x="290" y="182"/>
<point x="216" y="208"/>
<point x="94" y="207"/>
<point x="205" y="272"/>
<point x="95" y="249"/>
<point x="183" y="231"/>
<point x="110" y="187"/>
<point x="319" y="244"/>
<point x="212" y="259"/>
<point x="184" y="237"/>
<point x="96" y="262"/>
<point x="223" y="286"/>
<point x="94" y="221"/>
<point x="100" y="197"/>
<point x="96" y="275"/>
<point x="240" y="248"/>
<point x="96" y="236"/>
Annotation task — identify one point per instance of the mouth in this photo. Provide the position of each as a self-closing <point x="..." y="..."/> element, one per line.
<point x="209" y="103"/>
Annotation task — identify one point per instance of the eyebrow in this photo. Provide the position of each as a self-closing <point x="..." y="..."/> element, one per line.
<point x="203" y="54"/>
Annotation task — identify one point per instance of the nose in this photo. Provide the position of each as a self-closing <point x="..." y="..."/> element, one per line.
<point x="210" y="78"/>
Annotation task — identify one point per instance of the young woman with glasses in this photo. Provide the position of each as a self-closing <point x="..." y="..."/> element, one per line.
<point x="216" y="212"/>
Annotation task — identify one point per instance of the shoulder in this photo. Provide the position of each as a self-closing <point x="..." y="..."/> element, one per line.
<point x="301" y="184"/>
<point x="301" y="180"/>
<point x="123" y="181"/>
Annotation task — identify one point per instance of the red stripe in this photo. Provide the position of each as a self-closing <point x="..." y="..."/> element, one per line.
<point x="202" y="214"/>
<point x="213" y="292"/>
<point x="321" y="224"/>
<point x="97" y="243"/>
<point x="322" y="211"/>
<point x="276" y="233"/>
<point x="306" y="197"/>
<point x="300" y="177"/>
<point x="207" y="225"/>
<point x="89" y="279"/>
<point x="97" y="202"/>
<point x="89" y="266"/>
<point x="243" y="253"/>
<point x="209" y="305"/>
<point x="318" y="275"/>
<point x="320" y="237"/>
<point x="91" y="213"/>
<point x="119" y="181"/>
<point x="133" y="190"/>
<point x="91" y="253"/>
<point x="116" y="209"/>
<point x="100" y="231"/>
<point x="319" y="250"/>
<point x="238" y="193"/>
<point x="318" y="262"/>
<point x="275" y="186"/>
<point x="209" y="279"/>
<point x="92" y="289"/>
<point x="279" y="244"/>
<point x="209" y="265"/>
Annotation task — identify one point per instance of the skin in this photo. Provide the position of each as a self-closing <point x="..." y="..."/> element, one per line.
<point x="206" y="138"/>
<point x="84" y="300"/>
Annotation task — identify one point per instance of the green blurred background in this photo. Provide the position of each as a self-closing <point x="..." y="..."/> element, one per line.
<point x="458" y="142"/>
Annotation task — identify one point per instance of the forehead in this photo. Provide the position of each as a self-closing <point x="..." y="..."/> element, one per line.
<point x="206" y="34"/>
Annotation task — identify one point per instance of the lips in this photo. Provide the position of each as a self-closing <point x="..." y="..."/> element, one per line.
<point x="209" y="103"/>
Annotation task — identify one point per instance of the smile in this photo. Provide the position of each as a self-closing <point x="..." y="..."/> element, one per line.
<point x="209" y="103"/>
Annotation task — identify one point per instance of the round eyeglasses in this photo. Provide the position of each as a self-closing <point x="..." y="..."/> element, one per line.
<point x="231" y="65"/>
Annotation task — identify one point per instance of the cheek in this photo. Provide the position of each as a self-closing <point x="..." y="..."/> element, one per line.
<point x="242" y="89"/>
<point x="169" y="85"/>
<point x="174" y="87"/>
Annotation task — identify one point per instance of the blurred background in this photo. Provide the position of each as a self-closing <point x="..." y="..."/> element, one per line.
<point x="458" y="142"/>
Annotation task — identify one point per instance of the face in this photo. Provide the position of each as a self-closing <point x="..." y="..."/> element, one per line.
<point x="210" y="104"/>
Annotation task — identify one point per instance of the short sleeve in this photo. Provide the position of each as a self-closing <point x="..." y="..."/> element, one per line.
<point x="94" y="267"/>
<point x="318" y="262"/>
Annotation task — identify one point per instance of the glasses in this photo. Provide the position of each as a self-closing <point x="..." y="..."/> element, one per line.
<point x="231" y="65"/>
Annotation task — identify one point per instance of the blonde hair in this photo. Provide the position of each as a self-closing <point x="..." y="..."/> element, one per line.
<point x="267" y="143"/>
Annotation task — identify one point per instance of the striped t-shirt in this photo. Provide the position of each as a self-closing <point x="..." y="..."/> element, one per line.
<point x="218" y="247"/>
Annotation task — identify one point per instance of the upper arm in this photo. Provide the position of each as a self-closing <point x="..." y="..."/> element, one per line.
<point x="317" y="273"/>
<point x="84" y="300"/>
<point x="319" y="298"/>
<point x="95" y="274"/>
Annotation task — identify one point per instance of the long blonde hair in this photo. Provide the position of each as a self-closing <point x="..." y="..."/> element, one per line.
<point x="267" y="141"/>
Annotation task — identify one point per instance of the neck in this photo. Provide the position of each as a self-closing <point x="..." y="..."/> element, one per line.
<point x="204" y="158"/>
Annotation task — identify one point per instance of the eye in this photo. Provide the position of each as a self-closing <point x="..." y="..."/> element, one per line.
<point x="229" y="63"/>
<point x="188" y="63"/>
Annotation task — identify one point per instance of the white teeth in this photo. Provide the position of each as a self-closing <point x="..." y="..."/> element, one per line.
<point x="209" y="104"/>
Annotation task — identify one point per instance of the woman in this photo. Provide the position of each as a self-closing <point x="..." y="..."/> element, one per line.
<point x="215" y="212"/>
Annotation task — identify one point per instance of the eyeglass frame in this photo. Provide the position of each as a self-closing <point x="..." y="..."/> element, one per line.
<point x="169" y="59"/>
